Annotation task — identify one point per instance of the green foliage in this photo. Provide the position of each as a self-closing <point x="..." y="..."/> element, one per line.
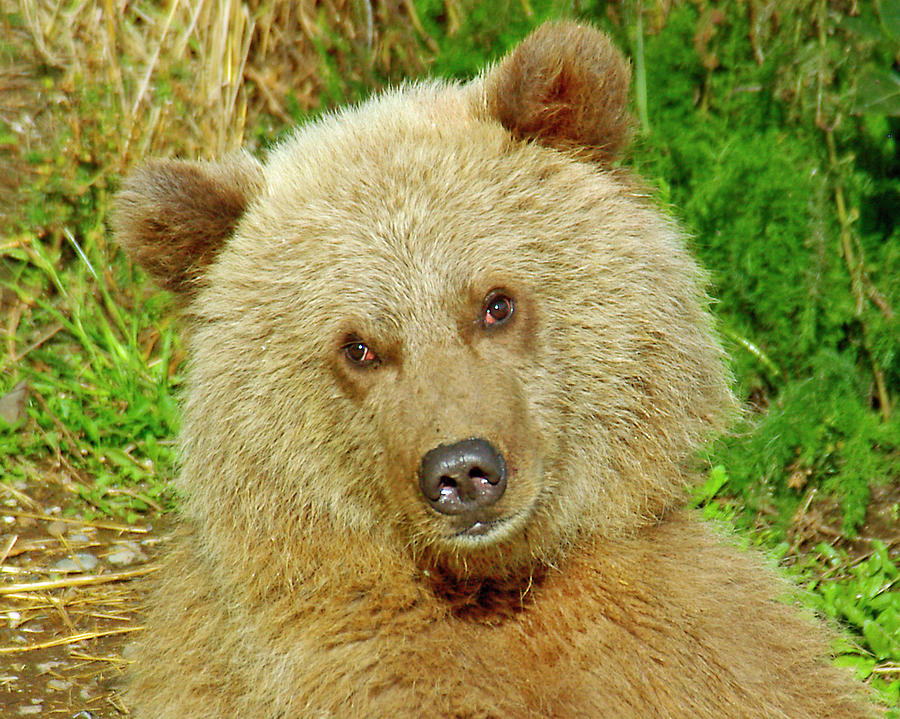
<point x="867" y="599"/>
<point x="101" y="414"/>
<point x="768" y="143"/>
<point x="799" y="230"/>
<point x="482" y="32"/>
<point x="100" y="364"/>
<point x="818" y="430"/>
<point x="878" y="85"/>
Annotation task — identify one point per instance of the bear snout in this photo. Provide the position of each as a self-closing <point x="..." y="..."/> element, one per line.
<point x="462" y="478"/>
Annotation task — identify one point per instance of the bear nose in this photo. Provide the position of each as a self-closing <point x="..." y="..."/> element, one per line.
<point x="462" y="477"/>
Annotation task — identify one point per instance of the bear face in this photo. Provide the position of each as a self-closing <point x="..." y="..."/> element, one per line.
<point x="413" y="274"/>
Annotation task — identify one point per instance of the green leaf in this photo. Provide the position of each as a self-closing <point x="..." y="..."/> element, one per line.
<point x="830" y="554"/>
<point x="890" y="694"/>
<point x="863" y="666"/>
<point x="881" y="552"/>
<point x="716" y="480"/>
<point x="851" y="612"/>
<point x="889" y="10"/>
<point x="878" y="93"/>
<point x="885" y="601"/>
<point x="889" y="619"/>
<point x="864" y="26"/>
<point x="878" y="639"/>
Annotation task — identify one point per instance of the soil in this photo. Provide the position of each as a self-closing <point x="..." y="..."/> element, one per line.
<point x="819" y="520"/>
<point x="70" y="602"/>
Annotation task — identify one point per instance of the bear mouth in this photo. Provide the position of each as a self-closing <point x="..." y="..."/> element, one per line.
<point x="479" y="528"/>
<point x="483" y="528"/>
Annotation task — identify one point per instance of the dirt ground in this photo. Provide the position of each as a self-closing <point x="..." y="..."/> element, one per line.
<point x="819" y="520"/>
<point x="71" y="592"/>
<point x="70" y="602"/>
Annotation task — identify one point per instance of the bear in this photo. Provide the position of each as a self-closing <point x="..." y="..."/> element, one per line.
<point x="448" y="367"/>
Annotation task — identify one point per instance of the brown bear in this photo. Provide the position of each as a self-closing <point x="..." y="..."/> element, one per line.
<point x="448" y="367"/>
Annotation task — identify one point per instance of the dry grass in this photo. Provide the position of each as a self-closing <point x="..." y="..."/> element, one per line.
<point x="90" y="87"/>
<point x="64" y="626"/>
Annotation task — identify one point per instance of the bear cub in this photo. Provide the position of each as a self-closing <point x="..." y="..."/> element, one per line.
<point x="448" y="366"/>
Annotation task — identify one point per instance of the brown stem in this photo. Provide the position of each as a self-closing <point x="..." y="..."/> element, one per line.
<point x="858" y="279"/>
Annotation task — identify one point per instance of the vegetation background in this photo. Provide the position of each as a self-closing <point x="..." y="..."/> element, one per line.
<point x="770" y="128"/>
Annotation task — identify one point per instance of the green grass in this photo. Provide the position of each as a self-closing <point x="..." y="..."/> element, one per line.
<point x="100" y="363"/>
<point x="863" y="596"/>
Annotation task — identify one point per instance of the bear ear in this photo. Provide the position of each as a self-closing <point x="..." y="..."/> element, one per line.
<point x="173" y="216"/>
<point x="564" y="86"/>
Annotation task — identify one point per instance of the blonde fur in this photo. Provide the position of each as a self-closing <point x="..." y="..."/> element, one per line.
<point x="312" y="580"/>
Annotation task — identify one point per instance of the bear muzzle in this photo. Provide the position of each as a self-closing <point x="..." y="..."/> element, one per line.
<point x="463" y="480"/>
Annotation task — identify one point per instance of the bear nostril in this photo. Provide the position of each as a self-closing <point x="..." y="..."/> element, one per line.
<point x="463" y="477"/>
<point x="447" y="484"/>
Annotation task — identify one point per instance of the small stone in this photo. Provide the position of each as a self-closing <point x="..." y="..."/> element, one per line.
<point x="130" y="651"/>
<point x="31" y="709"/>
<point x="121" y="557"/>
<point x="44" y="667"/>
<point x="58" y="685"/>
<point x="128" y="553"/>
<point x="12" y="404"/>
<point x="57" y="528"/>
<point x="86" y="560"/>
<point x="80" y="562"/>
<point x="79" y="537"/>
<point x="90" y="691"/>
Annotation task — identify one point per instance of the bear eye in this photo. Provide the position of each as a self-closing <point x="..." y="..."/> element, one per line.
<point x="359" y="353"/>
<point x="498" y="309"/>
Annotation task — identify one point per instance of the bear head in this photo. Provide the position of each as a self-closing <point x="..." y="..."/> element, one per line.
<point x="440" y="323"/>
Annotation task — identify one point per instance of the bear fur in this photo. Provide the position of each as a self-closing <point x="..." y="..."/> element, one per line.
<point x="342" y="304"/>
